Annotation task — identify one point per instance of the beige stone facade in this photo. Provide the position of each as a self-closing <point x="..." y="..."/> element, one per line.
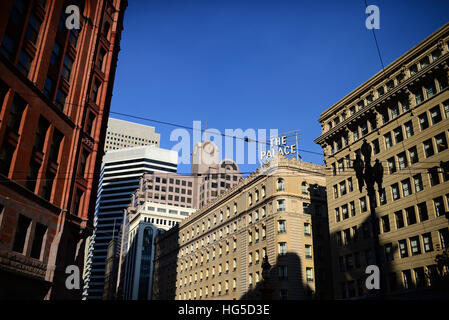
<point x="403" y="112"/>
<point x="278" y="211"/>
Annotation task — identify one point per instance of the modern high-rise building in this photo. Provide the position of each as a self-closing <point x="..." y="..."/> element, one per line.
<point x="55" y="93"/>
<point x="147" y="219"/>
<point x="120" y="178"/>
<point x="124" y="134"/>
<point x="402" y="112"/>
<point x="278" y="212"/>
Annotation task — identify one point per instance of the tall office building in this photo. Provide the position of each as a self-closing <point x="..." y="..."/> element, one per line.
<point x="119" y="179"/>
<point x="403" y="113"/>
<point x="55" y="92"/>
<point x="277" y="212"/>
<point x="124" y="134"/>
<point x="147" y="219"/>
<point x="212" y="177"/>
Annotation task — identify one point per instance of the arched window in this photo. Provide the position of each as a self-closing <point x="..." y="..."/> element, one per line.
<point x="280" y="185"/>
<point x="304" y="188"/>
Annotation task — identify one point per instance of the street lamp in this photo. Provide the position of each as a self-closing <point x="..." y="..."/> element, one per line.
<point x="370" y="175"/>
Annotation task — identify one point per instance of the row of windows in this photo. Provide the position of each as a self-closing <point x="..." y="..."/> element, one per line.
<point x="398" y="134"/>
<point x="205" y="293"/>
<point x="385" y="87"/>
<point x="162" y="222"/>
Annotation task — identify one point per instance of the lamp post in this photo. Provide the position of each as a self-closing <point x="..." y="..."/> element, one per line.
<point x="267" y="292"/>
<point x="369" y="175"/>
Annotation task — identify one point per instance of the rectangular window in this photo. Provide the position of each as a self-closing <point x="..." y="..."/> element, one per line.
<point x="402" y="160"/>
<point x="411" y="215"/>
<point x="388" y="140"/>
<point x="282" y="248"/>
<point x="434" y="176"/>
<point x="409" y="129"/>
<point x="337" y="214"/>
<point x="382" y="197"/>
<point x="48" y="185"/>
<point x="428" y="148"/>
<point x="67" y="68"/>
<point x="350" y="185"/>
<point x="363" y="205"/>
<point x="391" y="165"/>
<point x="308" y="251"/>
<point x="444" y="237"/>
<point x="343" y="188"/>
<point x="439" y="206"/>
<point x="22" y="233"/>
<point x="430" y="89"/>
<point x="435" y="115"/>
<point x="282" y="226"/>
<point x="422" y="210"/>
<point x="427" y="241"/>
<point x="394" y="110"/>
<point x="376" y="148"/>
<point x="441" y="142"/>
<point x="395" y="191"/>
<point x="39" y="235"/>
<point x="399" y="219"/>
<point x="389" y="252"/>
<point x="386" y="223"/>
<point x="398" y="136"/>
<point x="344" y="211"/>
<point x="32" y="175"/>
<point x="281" y="205"/>
<point x="407" y="278"/>
<point x="415" y="246"/>
<point x="423" y="121"/>
<point x="24" y="64"/>
<point x="403" y="249"/>
<point x="16" y="113"/>
<point x="309" y="274"/>
<point x="413" y="155"/>
<point x="34" y="25"/>
<point x="406" y="187"/>
<point x="418" y="182"/>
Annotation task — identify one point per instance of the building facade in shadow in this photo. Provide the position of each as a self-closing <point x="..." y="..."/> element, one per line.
<point x="279" y="211"/>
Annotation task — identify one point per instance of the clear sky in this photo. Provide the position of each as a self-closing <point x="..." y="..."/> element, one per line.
<point x="257" y="64"/>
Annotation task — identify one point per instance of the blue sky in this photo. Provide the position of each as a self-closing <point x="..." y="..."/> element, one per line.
<point x="257" y="64"/>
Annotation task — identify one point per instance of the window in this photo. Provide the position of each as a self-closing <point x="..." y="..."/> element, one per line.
<point x="422" y="210"/>
<point x="355" y="134"/>
<point x="430" y="89"/>
<point x="337" y="214"/>
<point x="16" y="112"/>
<point x="306" y="208"/>
<point x="363" y="206"/>
<point x="343" y="188"/>
<point x="385" y="223"/>
<point x="282" y="248"/>
<point x="364" y="128"/>
<point x="403" y="250"/>
<point x="394" y="110"/>
<point x="304" y="188"/>
<point x="444" y="237"/>
<point x="308" y="251"/>
<point x="67" y="68"/>
<point x="280" y="185"/>
<point x="352" y="206"/>
<point x="309" y="274"/>
<point x="283" y="273"/>
<point x="428" y="148"/>
<point x="415" y="246"/>
<point x="439" y="206"/>
<point x="395" y="191"/>
<point x="399" y="219"/>
<point x="42" y="128"/>
<point x="406" y="187"/>
<point x="281" y="205"/>
<point x="435" y="115"/>
<point x="407" y="278"/>
<point x="388" y="248"/>
<point x="398" y="137"/>
<point x="391" y="165"/>
<point x="335" y="191"/>
<point x="350" y="185"/>
<point x="402" y="160"/>
<point x="423" y="121"/>
<point x="95" y="90"/>
<point x="411" y="215"/>
<point x="419" y="96"/>
<point x="413" y="155"/>
<point x="434" y="176"/>
<point x="408" y="129"/>
<point x="441" y="142"/>
<point x="418" y="182"/>
<point x="39" y="233"/>
<point x="22" y="232"/>
<point x="427" y="241"/>
<point x="282" y="226"/>
<point x="307" y="231"/>
<point x="24" y="64"/>
<point x="55" y="145"/>
<point x="376" y="148"/>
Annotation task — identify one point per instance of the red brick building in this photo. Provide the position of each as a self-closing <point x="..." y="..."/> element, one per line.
<point x="55" y="93"/>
